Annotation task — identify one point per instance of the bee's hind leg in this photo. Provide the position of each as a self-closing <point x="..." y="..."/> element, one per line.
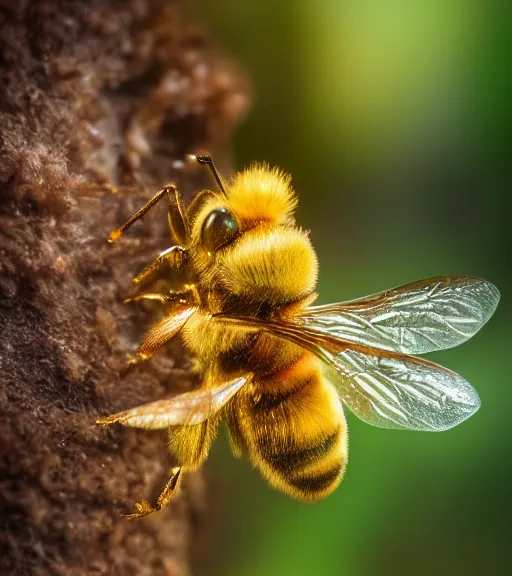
<point x="166" y="495"/>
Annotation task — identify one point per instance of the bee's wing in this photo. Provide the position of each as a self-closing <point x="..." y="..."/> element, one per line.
<point x="385" y="389"/>
<point x="420" y="317"/>
<point x="399" y="391"/>
<point x="187" y="409"/>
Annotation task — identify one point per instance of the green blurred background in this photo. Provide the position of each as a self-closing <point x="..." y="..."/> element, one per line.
<point x="394" y="118"/>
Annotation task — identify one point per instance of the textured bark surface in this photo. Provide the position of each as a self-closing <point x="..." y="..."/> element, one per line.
<point x="93" y="93"/>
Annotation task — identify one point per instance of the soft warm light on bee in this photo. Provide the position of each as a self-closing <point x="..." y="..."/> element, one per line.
<point x="244" y="310"/>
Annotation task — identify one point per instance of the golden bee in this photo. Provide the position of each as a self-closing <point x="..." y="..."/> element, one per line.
<point x="277" y="369"/>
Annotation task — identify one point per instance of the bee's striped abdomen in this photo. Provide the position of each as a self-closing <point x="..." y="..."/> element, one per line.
<point x="293" y="428"/>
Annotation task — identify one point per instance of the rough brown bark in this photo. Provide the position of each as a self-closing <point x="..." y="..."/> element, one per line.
<point x="93" y="92"/>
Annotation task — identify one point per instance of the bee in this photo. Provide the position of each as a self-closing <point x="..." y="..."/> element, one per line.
<point x="277" y="369"/>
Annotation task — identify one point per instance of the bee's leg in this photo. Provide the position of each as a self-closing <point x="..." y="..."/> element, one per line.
<point x="161" y="332"/>
<point x="165" y="191"/>
<point x="194" y="444"/>
<point x="162" y="298"/>
<point x="166" y="495"/>
<point x="207" y="160"/>
<point x="169" y="297"/>
<point x="178" y="220"/>
<point x="172" y="259"/>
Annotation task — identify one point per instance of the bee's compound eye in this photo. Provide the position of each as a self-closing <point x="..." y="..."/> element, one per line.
<point x="219" y="229"/>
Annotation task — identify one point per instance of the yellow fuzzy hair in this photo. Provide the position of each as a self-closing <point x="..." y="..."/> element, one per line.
<point x="277" y="265"/>
<point x="262" y="193"/>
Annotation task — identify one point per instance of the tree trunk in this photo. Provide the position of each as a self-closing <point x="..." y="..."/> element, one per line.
<point x="93" y="94"/>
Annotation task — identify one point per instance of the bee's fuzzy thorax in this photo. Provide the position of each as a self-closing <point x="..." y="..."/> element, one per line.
<point x="277" y="265"/>
<point x="262" y="193"/>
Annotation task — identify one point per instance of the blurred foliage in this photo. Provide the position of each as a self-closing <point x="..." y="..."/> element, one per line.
<point x="394" y="119"/>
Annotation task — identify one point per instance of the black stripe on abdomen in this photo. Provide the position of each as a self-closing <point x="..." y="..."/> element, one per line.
<point x="292" y="457"/>
<point x="295" y="430"/>
<point x="270" y="400"/>
<point x="311" y="483"/>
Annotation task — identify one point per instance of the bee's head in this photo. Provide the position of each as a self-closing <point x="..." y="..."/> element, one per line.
<point x="246" y="241"/>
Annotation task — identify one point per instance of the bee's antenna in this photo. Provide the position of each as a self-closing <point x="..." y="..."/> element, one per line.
<point x="209" y="162"/>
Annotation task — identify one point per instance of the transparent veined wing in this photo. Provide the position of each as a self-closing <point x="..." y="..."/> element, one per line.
<point x="186" y="409"/>
<point x="416" y="318"/>
<point x="402" y="392"/>
<point x="385" y="389"/>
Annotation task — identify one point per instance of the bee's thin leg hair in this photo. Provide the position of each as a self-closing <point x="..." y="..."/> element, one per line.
<point x="166" y="495"/>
